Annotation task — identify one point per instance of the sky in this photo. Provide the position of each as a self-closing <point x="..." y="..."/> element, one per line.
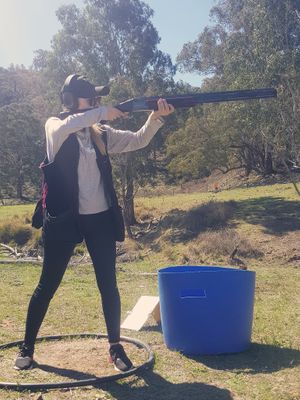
<point x="29" y="25"/>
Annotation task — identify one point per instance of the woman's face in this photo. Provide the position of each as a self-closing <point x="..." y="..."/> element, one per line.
<point x="86" y="103"/>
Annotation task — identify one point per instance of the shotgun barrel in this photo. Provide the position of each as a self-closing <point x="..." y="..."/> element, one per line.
<point x="191" y="100"/>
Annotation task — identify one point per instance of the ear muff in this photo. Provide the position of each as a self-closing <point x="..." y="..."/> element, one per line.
<point x="67" y="98"/>
<point x="92" y="101"/>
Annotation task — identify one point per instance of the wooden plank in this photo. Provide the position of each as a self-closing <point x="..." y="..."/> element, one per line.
<point x="145" y="306"/>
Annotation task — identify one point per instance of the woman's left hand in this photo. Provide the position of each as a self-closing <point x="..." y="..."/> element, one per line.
<point x="163" y="109"/>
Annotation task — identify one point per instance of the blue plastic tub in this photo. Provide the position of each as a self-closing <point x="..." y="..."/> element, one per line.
<point x="206" y="310"/>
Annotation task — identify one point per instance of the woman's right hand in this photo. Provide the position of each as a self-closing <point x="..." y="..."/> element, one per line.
<point x="114" y="113"/>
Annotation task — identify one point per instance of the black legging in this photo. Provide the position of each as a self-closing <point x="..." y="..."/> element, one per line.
<point x="97" y="232"/>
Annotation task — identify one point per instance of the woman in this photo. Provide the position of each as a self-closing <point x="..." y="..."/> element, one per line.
<point x="77" y="206"/>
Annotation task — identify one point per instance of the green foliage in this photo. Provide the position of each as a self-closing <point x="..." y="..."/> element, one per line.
<point x="21" y="148"/>
<point x="105" y="39"/>
<point x="23" y="111"/>
<point x="21" y="85"/>
<point x="197" y="147"/>
<point x="252" y="44"/>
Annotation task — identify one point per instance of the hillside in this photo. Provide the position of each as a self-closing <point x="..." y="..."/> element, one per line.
<point x="219" y="181"/>
<point x="254" y="224"/>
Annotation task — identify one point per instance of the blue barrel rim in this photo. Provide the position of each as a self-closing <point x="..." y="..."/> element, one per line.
<point x="186" y="269"/>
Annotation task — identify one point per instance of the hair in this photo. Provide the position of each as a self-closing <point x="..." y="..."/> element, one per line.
<point x="97" y="131"/>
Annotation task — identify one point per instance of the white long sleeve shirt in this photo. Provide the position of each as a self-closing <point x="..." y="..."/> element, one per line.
<point x="91" y="190"/>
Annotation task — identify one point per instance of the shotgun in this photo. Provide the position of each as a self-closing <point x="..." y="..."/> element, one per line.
<point x="191" y="100"/>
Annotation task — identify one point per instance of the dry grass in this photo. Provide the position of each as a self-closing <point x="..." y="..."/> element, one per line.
<point x="145" y="213"/>
<point x="15" y="226"/>
<point x="208" y="215"/>
<point x="15" y="232"/>
<point x="222" y="243"/>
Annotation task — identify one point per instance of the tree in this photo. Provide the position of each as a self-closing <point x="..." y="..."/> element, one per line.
<point x="197" y="147"/>
<point x="19" y="84"/>
<point x="23" y="111"/>
<point x="110" y="39"/>
<point x="21" y="149"/>
<point x="253" y="44"/>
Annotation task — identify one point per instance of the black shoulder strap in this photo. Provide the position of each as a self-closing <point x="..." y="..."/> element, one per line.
<point x="104" y="137"/>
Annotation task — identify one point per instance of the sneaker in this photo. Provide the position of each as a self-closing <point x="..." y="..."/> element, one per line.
<point x="24" y="359"/>
<point x="119" y="358"/>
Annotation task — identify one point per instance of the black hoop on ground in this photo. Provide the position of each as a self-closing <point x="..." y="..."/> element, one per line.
<point x="84" y="382"/>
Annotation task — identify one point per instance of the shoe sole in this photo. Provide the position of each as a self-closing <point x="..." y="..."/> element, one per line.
<point x="23" y="369"/>
<point x="120" y="370"/>
<point x="116" y="368"/>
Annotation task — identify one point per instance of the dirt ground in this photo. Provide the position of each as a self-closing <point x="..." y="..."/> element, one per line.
<point x="83" y="359"/>
<point x="285" y="249"/>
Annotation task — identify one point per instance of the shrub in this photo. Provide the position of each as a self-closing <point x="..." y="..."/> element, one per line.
<point x="80" y="250"/>
<point x="17" y="233"/>
<point x="22" y="234"/>
<point x="222" y="243"/>
<point x="145" y="213"/>
<point x="211" y="215"/>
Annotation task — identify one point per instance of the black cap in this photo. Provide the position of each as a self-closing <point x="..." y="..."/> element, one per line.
<point x="79" y="86"/>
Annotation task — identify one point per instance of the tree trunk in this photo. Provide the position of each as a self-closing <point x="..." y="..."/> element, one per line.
<point x="248" y="161"/>
<point x="20" y="185"/>
<point x="268" y="170"/>
<point x="128" y="197"/>
<point x="128" y="200"/>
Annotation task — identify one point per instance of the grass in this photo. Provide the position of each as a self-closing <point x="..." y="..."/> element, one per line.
<point x="188" y="200"/>
<point x="258" y="373"/>
<point x="19" y="211"/>
<point x="15" y="225"/>
<point x="266" y="218"/>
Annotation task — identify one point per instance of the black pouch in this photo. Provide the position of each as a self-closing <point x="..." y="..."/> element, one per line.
<point x="118" y="223"/>
<point x="38" y="215"/>
<point x="62" y="227"/>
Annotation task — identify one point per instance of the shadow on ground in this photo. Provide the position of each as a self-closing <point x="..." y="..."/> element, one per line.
<point x="181" y="226"/>
<point x="275" y="215"/>
<point x="149" y="386"/>
<point x="152" y="328"/>
<point x="73" y="374"/>
<point x="260" y="358"/>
